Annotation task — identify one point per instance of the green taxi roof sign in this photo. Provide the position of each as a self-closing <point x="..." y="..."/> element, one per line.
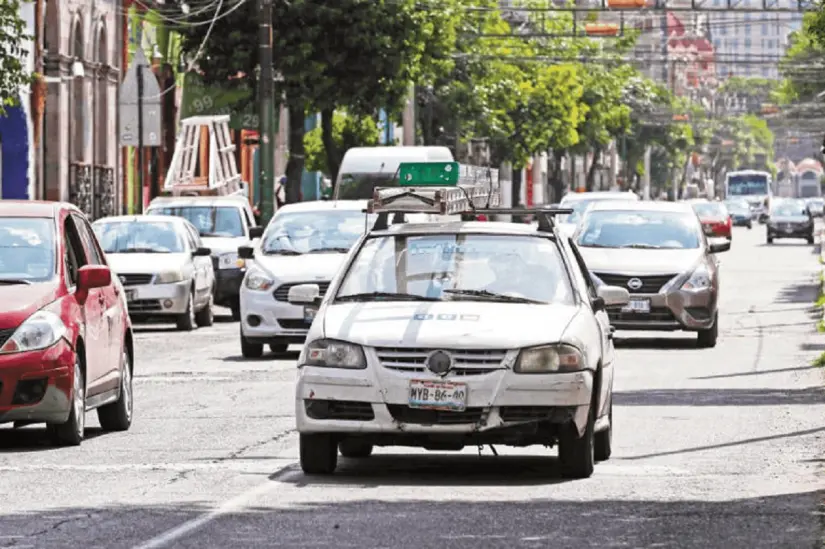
<point x="428" y="174"/>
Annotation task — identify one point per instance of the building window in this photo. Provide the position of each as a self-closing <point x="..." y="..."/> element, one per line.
<point x="764" y="29"/>
<point x="723" y="30"/>
<point x="747" y="43"/>
<point x="717" y="44"/>
<point x="765" y="72"/>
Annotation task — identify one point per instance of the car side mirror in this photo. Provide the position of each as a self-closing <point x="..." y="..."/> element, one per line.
<point x="202" y="252"/>
<point x="613" y="296"/>
<point x="719" y="246"/>
<point x="256" y="232"/>
<point x="246" y="252"/>
<point x="90" y="277"/>
<point x="304" y="294"/>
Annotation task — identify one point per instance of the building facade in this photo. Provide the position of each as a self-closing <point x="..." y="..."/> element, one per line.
<point x="78" y="150"/>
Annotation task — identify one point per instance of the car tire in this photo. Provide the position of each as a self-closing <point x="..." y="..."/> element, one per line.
<point x="186" y="321"/>
<point x="71" y="432"/>
<point x="706" y="339"/>
<point x="355" y="449"/>
<point x="278" y="348"/>
<point x="577" y="453"/>
<point x="770" y="240"/>
<point x="117" y="416"/>
<point x="811" y="239"/>
<point x="249" y="349"/>
<point x="604" y="439"/>
<point x="318" y="454"/>
<point x="750" y="226"/>
<point x="235" y="307"/>
<point x="206" y="316"/>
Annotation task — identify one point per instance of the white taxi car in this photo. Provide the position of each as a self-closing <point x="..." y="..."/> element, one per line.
<point x="464" y="333"/>
<point x="304" y="242"/>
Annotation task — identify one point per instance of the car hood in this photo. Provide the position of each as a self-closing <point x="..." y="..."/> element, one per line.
<point x="308" y="267"/>
<point x="20" y="301"/>
<point x="146" y="263"/>
<point x="222" y="244"/>
<point x="790" y="219"/>
<point x="447" y="324"/>
<point x="631" y="261"/>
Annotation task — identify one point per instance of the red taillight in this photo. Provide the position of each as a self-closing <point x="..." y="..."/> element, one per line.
<point x="730" y="221"/>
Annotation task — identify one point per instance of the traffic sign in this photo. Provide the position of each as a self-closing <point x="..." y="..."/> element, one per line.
<point x="140" y="97"/>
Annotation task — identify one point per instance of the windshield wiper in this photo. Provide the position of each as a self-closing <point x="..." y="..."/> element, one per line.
<point x="322" y="250"/>
<point x="369" y="296"/>
<point x="11" y="281"/>
<point x="140" y="251"/>
<point x="282" y="252"/>
<point x="486" y="294"/>
<point x="642" y="246"/>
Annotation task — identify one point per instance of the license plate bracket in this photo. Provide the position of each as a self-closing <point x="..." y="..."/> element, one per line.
<point x="438" y="395"/>
<point x="637" y="305"/>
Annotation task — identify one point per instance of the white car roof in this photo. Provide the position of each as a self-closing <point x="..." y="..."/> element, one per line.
<point x="324" y="205"/>
<point x="642" y="206"/>
<point x="141" y="219"/>
<point x="202" y="201"/>
<point x="603" y="195"/>
<point x="456" y="227"/>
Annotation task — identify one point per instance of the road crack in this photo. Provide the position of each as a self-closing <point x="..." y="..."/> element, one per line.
<point x="56" y="526"/>
<point x="254" y="446"/>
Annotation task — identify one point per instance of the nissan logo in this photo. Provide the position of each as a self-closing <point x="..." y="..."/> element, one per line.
<point x="439" y="363"/>
<point x="634" y="284"/>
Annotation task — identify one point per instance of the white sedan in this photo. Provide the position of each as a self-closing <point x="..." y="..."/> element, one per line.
<point x="446" y="335"/>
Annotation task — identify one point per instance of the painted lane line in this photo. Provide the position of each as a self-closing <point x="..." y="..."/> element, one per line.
<point x="235" y="504"/>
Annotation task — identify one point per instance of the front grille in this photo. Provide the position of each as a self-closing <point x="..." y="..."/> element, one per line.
<point x="650" y="284"/>
<point x="135" y="279"/>
<point x="281" y="293"/>
<point x="145" y="306"/>
<point x="293" y="324"/>
<point x="466" y="362"/>
<point x="5" y="335"/>
<point x="418" y="416"/>
<point x="656" y="314"/>
<point x="343" y="410"/>
<point x="521" y="414"/>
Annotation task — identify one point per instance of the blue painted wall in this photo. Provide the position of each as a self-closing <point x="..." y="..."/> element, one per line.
<point x="14" y="143"/>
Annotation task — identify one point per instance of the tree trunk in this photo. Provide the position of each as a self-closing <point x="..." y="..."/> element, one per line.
<point x="330" y="147"/>
<point x="295" y="164"/>
<point x="591" y="173"/>
<point x="556" y="182"/>
<point x="515" y="192"/>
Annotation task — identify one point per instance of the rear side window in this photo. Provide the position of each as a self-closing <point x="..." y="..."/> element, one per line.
<point x="75" y="256"/>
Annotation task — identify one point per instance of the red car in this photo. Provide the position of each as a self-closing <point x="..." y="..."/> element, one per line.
<point x="65" y="336"/>
<point x="715" y="218"/>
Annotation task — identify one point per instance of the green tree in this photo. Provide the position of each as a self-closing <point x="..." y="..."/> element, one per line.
<point x="13" y="73"/>
<point x="348" y="131"/>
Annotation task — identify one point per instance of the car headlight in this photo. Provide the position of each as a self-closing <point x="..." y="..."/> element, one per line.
<point x="549" y="359"/>
<point x="699" y="279"/>
<point x="169" y="277"/>
<point x="331" y="353"/>
<point x="258" y="281"/>
<point x="230" y="261"/>
<point x="40" y="331"/>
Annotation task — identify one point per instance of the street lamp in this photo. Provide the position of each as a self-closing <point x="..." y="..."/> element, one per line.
<point x="77" y="69"/>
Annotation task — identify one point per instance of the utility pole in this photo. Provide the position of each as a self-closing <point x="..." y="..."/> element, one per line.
<point x="140" y="137"/>
<point x="266" y="133"/>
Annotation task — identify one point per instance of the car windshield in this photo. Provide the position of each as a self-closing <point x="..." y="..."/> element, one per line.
<point x="738" y="207"/>
<point x="476" y="267"/>
<point x="360" y="186"/>
<point x="578" y="207"/>
<point x="221" y="221"/>
<point x="640" y="229"/>
<point x="27" y="250"/>
<point x="710" y="209"/>
<point x="315" y="232"/>
<point x="125" y="237"/>
<point x="789" y="209"/>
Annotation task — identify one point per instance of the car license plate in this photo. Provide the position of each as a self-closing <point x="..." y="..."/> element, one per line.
<point x="637" y="306"/>
<point x="789" y="229"/>
<point x="309" y="314"/>
<point x="131" y="295"/>
<point x="438" y="395"/>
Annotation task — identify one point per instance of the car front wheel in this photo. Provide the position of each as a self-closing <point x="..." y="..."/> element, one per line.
<point x="249" y="349"/>
<point x="577" y="453"/>
<point x="707" y="338"/>
<point x="604" y="439"/>
<point x="72" y="431"/>
<point x="319" y="454"/>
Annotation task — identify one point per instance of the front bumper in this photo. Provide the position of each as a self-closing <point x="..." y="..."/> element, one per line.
<point x="672" y="311"/>
<point x="375" y="402"/>
<point x="228" y="285"/>
<point x="151" y="300"/>
<point x="54" y="367"/>
<point x="266" y="320"/>
<point x="783" y="230"/>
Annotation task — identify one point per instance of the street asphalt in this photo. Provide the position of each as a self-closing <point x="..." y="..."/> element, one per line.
<point x="713" y="448"/>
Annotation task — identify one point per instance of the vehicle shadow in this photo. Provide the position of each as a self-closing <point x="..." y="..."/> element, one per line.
<point x="289" y="355"/>
<point x="654" y="343"/>
<point x="721" y="397"/>
<point x="564" y="520"/>
<point x="803" y="292"/>
<point x="787" y="243"/>
<point x="812" y="347"/>
<point x="35" y="439"/>
<point x="759" y="372"/>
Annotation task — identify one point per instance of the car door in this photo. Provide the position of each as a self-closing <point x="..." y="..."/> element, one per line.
<point x="204" y="274"/>
<point x="96" y="325"/>
<point x="603" y="321"/>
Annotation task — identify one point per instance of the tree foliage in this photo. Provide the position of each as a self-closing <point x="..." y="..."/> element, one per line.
<point x="348" y="131"/>
<point x="13" y="73"/>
